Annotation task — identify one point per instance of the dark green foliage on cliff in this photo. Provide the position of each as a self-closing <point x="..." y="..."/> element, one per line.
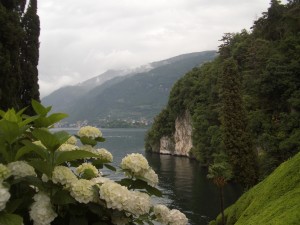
<point x="267" y="63"/>
<point x="237" y="142"/>
<point x="19" y="45"/>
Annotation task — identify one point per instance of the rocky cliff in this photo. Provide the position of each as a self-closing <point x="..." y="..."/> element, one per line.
<point x="181" y="142"/>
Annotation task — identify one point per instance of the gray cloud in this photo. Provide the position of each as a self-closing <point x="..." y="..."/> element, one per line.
<point x="81" y="39"/>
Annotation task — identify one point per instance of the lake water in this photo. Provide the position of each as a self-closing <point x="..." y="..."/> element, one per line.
<point x="182" y="181"/>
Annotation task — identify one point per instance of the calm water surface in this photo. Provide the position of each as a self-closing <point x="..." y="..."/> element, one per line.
<point x="182" y="180"/>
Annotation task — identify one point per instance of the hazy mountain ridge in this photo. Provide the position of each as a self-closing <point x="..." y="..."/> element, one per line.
<point x="140" y="93"/>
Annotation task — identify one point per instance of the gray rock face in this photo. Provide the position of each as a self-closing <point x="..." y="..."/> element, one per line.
<point x="166" y="145"/>
<point x="181" y="143"/>
<point x="183" y="135"/>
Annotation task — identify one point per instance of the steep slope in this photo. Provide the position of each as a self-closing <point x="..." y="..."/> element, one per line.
<point x="267" y="60"/>
<point x="62" y="98"/>
<point x="137" y="96"/>
<point x="275" y="200"/>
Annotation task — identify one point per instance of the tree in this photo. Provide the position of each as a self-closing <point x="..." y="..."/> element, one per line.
<point x="236" y="141"/>
<point x="10" y="38"/>
<point x="19" y="46"/>
<point x="30" y="56"/>
<point x="220" y="172"/>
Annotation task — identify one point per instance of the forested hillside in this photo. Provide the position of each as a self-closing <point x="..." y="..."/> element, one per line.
<point x="134" y="96"/>
<point x="247" y="101"/>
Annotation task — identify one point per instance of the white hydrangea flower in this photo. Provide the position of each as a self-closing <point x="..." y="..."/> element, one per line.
<point x="88" y="148"/>
<point x="139" y="203"/>
<point x="82" y="190"/>
<point x="41" y="211"/>
<point x="115" y="195"/>
<point x="89" y="131"/>
<point x="4" y="172"/>
<point x="64" y="176"/>
<point x="105" y="155"/>
<point x="100" y="180"/>
<point x="45" y="178"/>
<point x="72" y="140"/>
<point x="151" y="177"/>
<point x="4" y="196"/>
<point x="176" y="217"/>
<point x="67" y="147"/>
<point x="161" y="212"/>
<point x="21" y="169"/>
<point x="136" y="163"/>
<point x="169" y="217"/>
<point x="87" y="166"/>
<point x="120" y="220"/>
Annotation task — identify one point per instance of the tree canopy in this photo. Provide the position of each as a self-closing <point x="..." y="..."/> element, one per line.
<point x="264" y="108"/>
<point x="19" y="53"/>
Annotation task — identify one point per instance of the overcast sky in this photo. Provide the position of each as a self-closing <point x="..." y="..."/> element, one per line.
<point x="82" y="39"/>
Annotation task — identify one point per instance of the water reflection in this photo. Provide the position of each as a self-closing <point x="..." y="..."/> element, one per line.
<point x="185" y="184"/>
<point x="183" y="181"/>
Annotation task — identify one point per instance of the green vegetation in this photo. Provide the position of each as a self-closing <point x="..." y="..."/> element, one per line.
<point x="46" y="176"/>
<point x="275" y="200"/>
<point x="265" y="123"/>
<point x="19" y="54"/>
<point x="236" y="141"/>
<point x="220" y="172"/>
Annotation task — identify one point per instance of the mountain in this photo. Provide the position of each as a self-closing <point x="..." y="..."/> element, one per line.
<point x="125" y="95"/>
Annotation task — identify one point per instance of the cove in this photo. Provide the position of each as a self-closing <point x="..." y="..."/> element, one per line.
<point x="182" y="180"/>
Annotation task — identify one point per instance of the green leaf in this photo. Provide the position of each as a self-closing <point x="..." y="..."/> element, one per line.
<point x="62" y="136"/>
<point x="22" y="151"/>
<point x="49" y="140"/>
<point x="88" y="174"/>
<point x="27" y="121"/>
<point x="42" y="166"/>
<point x="9" y="131"/>
<point x="20" y="112"/>
<point x="56" y="117"/>
<point x="61" y="157"/>
<point x="2" y="113"/>
<point x="49" y="121"/>
<point x="126" y="182"/>
<point x="11" y="116"/>
<point x="39" y="108"/>
<point x="14" y="204"/>
<point x="4" y="150"/>
<point x="10" y="219"/>
<point x="88" y="141"/>
<point x="37" y="149"/>
<point x="62" y="197"/>
<point x="99" y="163"/>
<point x="153" y="191"/>
<point x="140" y="184"/>
<point x="100" y="139"/>
<point x="78" y="221"/>
<point x="110" y="167"/>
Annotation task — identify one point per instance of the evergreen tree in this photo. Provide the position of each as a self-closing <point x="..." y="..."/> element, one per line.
<point x="19" y="33"/>
<point x="10" y="38"/>
<point x="30" y="55"/>
<point x="236" y="141"/>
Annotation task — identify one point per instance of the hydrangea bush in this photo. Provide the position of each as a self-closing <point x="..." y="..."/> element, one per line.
<point x="46" y="178"/>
